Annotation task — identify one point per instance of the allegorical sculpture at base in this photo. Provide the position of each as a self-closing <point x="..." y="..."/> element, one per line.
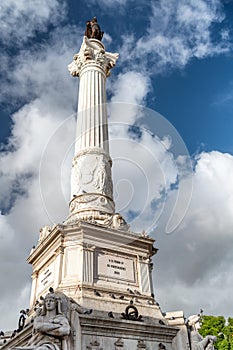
<point x="197" y="341"/>
<point x="51" y="327"/>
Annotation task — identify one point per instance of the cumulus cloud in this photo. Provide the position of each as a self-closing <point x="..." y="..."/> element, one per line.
<point x="178" y="32"/>
<point x="43" y="69"/>
<point x="20" y="19"/>
<point x="203" y="240"/>
<point x="147" y="166"/>
<point x="110" y="3"/>
<point x="131" y="87"/>
<point x="143" y="170"/>
<point x="31" y="180"/>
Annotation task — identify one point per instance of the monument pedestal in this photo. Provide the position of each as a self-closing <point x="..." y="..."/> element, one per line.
<point x="109" y="271"/>
<point x="98" y="266"/>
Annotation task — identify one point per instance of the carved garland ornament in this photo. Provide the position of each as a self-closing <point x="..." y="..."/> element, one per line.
<point x="131" y="313"/>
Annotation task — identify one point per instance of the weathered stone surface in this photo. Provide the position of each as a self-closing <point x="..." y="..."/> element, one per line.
<point x="197" y="341"/>
<point x="91" y="179"/>
<point x="78" y="259"/>
<point x="181" y="340"/>
<point x="92" y="51"/>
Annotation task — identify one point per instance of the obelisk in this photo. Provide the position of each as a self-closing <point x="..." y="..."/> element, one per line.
<point x="91" y="178"/>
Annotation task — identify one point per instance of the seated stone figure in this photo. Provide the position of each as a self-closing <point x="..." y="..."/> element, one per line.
<point x="197" y="341"/>
<point x="51" y="327"/>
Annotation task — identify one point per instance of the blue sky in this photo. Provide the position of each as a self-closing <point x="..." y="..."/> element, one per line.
<point x="175" y="59"/>
<point x="198" y="102"/>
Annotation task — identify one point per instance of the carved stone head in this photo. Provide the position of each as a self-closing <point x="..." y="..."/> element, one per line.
<point x="51" y="302"/>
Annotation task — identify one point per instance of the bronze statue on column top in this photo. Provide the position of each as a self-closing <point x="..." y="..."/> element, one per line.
<point x="93" y="30"/>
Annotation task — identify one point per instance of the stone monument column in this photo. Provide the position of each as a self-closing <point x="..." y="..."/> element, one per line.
<point x="91" y="179"/>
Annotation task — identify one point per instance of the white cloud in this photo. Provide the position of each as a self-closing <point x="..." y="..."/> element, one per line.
<point x="110" y="3"/>
<point x="178" y="32"/>
<point x="143" y="170"/>
<point x="33" y="205"/>
<point x="131" y="87"/>
<point x="146" y="166"/>
<point x="129" y="90"/>
<point x="42" y="70"/>
<point x="20" y="19"/>
<point x="196" y="257"/>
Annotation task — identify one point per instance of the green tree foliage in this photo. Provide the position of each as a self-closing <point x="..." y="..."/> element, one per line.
<point x="217" y="325"/>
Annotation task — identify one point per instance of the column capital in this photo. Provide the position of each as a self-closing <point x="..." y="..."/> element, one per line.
<point x="92" y="51"/>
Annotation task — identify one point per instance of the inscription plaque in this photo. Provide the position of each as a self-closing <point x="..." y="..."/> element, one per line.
<point x="112" y="266"/>
<point x="45" y="277"/>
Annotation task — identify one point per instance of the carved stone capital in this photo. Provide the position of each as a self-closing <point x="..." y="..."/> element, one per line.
<point x="88" y="247"/>
<point x="92" y="51"/>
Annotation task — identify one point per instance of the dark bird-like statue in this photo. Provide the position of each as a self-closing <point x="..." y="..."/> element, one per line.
<point x="130" y="291"/>
<point x="97" y="293"/>
<point x="13" y="334"/>
<point x="137" y="292"/>
<point x="88" y="312"/>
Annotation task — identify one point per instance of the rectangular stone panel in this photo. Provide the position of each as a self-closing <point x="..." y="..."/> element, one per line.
<point x="72" y="263"/>
<point x="45" y="277"/>
<point x="115" y="267"/>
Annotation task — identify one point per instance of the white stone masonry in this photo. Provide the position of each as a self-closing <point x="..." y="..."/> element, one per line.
<point x="91" y="179"/>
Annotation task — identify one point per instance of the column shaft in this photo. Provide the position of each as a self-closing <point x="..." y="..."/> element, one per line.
<point x="91" y="177"/>
<point x="92" y="130"/>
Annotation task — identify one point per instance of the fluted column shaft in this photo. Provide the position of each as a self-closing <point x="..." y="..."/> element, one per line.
<point x="92" y="129"/>
<point x="91" y="178"/>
